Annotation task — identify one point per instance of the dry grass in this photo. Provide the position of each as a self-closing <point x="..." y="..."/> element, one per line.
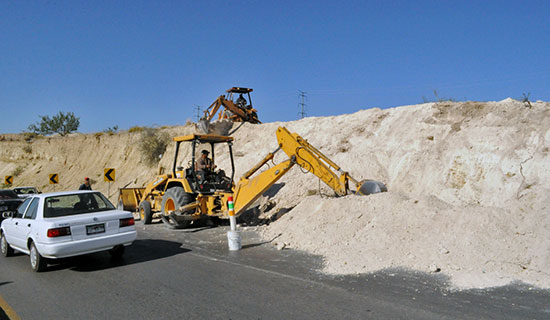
<point x="153" y="144"/>
<point x="136" y="129"/>
<point x="18" y="171"/>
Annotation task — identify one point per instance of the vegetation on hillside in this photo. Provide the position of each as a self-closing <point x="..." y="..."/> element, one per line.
<point x="153" y="144"/>
<point x="62" y="123"/>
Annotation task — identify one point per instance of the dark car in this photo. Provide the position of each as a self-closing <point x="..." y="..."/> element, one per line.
<point x="24" y="192"/>
<point x="9" y="201"/>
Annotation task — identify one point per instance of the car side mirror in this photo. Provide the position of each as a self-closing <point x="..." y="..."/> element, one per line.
<point x="8" y="214"/>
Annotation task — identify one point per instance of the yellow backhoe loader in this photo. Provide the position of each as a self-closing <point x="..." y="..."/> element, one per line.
<point x="187" y="194"/>
<point x="238" y="110"/>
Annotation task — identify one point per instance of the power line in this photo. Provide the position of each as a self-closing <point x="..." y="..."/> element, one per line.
<point x="302" y="104"/>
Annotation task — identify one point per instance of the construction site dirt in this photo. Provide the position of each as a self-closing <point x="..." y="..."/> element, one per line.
<point x="468" y="187"/>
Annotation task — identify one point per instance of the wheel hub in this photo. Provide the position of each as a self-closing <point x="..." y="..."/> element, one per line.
<point x="33" y="257"/>
<point x="169" y="206"/>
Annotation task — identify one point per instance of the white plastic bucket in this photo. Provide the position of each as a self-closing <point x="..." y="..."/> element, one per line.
<point x="234" y="240"/>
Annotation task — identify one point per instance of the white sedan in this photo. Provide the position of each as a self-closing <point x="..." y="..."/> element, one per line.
<point x="65" y="224"/>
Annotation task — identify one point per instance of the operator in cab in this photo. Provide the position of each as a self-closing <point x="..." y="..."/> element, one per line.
<point x="241" y="101"/>
<point x="204" y="165"/>
<point x="206" y="170"/>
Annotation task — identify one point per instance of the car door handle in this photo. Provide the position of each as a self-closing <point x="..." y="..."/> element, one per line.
<point x="17" y="223"/>
<point x="29" y="225"/>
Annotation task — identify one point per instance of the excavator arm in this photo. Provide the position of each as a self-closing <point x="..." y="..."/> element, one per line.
<point x="237" y="114"/>
<point x="306" y="156"/>
<point x="312" y="160"/>
<point x="249" y="190"/>
<point x="210" y="112"/>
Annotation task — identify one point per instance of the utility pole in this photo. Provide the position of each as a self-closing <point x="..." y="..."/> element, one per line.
<point x="302" y="104"/>
<point x="198" y="108"/>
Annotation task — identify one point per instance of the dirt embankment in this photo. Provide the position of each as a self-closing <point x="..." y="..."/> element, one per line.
<point x="469" y="186"/>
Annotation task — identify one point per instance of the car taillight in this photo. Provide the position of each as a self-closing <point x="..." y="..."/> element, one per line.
<point x="59" y="232"/>
<point x="126" y="222"/>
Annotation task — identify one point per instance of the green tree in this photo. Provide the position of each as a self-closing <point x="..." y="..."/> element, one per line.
<point x="62" y="123"/>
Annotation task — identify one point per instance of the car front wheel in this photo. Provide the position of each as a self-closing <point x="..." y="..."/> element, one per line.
<point x="7" y="251"/>
<point x="38" y="263"/>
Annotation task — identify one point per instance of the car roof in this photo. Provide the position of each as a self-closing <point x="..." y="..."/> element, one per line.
<point x="63" y="193"/>
<point x="24" y="187"/>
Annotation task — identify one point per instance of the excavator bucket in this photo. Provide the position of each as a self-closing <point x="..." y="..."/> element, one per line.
<point x="203" y="125"/>
<point x="367" y="187"/>
<point x="218" y="127"/>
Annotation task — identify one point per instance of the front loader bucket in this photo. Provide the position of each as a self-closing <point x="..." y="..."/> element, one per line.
<point x="367" y="187"/>
<point x="203" y="125"/>
<point x="129" y="198"/>
<point x="219" y="127"/>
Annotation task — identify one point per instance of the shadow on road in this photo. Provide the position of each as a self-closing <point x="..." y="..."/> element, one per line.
<point x="140" y="251"/>
<point x="252" y="245"/>
<point x="5" y="282"/>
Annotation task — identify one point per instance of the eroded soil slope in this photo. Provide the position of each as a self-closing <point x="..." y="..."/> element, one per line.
<point x="468" y="186"/>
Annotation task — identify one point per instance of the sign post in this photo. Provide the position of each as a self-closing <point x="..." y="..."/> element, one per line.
<point x="109" y="176"/>
<point x="54" y="179"/>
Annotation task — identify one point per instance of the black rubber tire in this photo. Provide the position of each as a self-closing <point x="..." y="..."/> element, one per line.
<point x="174" y="198"/>
<point x="145" y="212"/>
<point x="38" y="263"/>
<point x="7" y="251"/>
<point x="117" y="252"/>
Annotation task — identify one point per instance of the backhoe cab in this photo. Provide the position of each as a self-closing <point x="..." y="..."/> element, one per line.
<point x="190" y="191"/>
<point x="236" y="107"/>
<point x="208" y="180"/>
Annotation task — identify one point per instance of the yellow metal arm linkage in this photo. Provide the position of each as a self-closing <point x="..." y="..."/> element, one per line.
<point x="248" y="190"/>
<point x="314" y="161"/>
<point x="300" y="152"/>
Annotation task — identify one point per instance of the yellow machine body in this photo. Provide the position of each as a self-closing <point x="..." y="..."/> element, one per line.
<point x="247" y="190"/>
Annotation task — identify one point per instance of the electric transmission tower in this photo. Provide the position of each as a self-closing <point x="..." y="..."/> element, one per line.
<point x="302" y="104"/>
<point x="198" y="108"/>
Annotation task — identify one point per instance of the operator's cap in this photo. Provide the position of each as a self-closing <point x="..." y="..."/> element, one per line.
<point x="86" y="178"/>
<point x="205" y="152"/>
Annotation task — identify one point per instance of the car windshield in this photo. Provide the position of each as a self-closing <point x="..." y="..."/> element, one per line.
<point x="71" y="204"/>
<point x="7" y="194"/>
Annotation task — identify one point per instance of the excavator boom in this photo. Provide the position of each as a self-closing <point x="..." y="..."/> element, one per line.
<point x="312" y="160"/>
<point x="300" y="152"/>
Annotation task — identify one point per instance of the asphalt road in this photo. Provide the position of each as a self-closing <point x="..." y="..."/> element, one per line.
<point x="190" y="274"/>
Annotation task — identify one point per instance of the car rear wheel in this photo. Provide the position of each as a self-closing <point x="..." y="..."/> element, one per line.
<point x="38" y="263"/>
<point x="145" y="213"/>
<point x="7" y="251"/>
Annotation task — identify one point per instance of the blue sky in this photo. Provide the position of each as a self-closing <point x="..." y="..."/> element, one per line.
<point x="149" y="63"/>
